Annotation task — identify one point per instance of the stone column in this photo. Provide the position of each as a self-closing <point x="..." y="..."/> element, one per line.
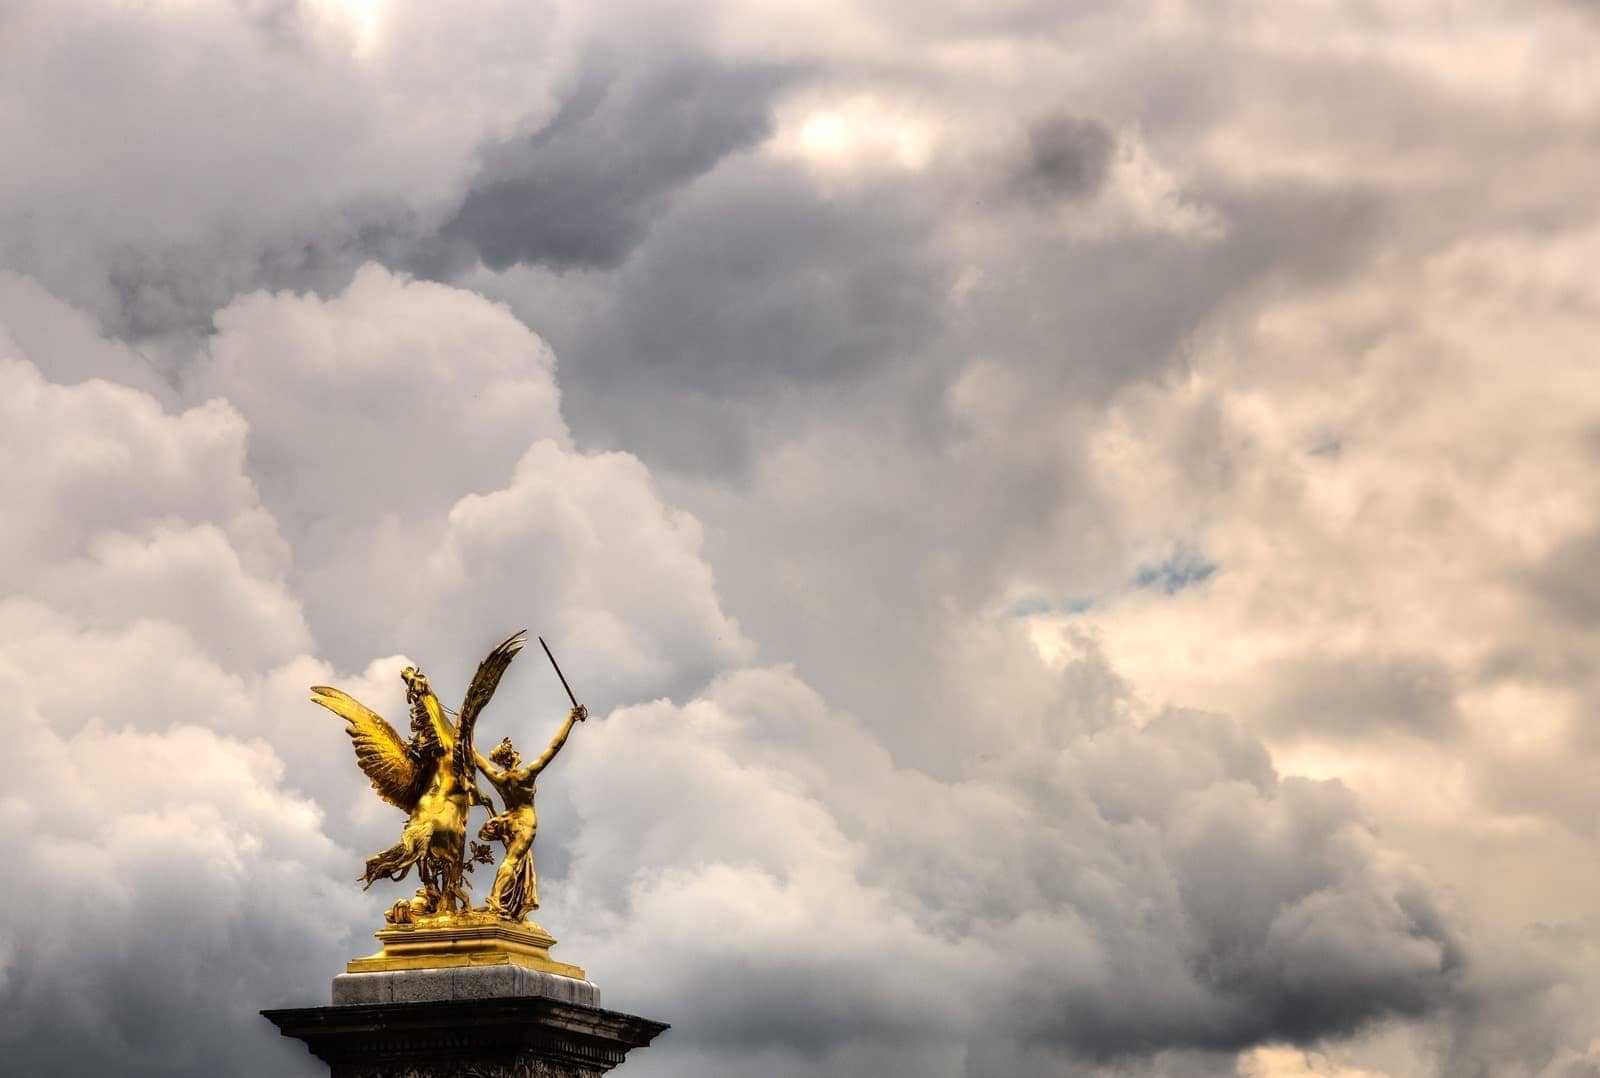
<point x="438" y="1005"/>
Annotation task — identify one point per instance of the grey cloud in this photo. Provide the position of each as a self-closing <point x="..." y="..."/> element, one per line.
<point x="69" y="345"/>
<point x="1528" y="986"/>
<point x="178" y="155"/>
<point x="581" y="191"/>
<point x="186" y="890"/>
<point x="759" y="279"/>
<point x="836" y="419"/>
<point x="585" y="189"/>
<point x="763" y="302"/>
<point x="756" y="285"/>
<point x="1219" y="907"/>
<point x="1067" y="157"/>
<point x="1567" y="583"/>
<point x="1361" y="695"/>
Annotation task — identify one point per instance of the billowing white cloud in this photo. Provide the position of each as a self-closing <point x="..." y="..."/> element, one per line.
<point x="176" y="881"/>
<point x="143" y="596"/>
<point x="177" y="781"/>
<point x="409" y="438"/>
<point x="122" y="512"/>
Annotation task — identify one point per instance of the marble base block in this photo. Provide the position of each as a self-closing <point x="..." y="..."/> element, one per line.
<point x="460" y="982"/>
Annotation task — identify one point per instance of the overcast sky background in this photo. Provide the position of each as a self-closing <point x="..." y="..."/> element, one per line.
<point x="1077" y="525"/>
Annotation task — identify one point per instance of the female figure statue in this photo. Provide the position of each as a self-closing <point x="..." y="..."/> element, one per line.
<point x="516" y="887"/>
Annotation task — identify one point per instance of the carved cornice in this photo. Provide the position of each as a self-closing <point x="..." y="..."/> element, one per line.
<point x="487" y="1038"/>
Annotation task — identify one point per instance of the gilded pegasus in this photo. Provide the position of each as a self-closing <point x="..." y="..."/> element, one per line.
<point x="432" y="778"/>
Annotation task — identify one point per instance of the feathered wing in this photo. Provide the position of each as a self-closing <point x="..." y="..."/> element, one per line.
<point x="484" y="683"/>
<point x="383" y="754"/>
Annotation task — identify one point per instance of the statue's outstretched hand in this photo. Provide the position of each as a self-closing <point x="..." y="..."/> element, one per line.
<point x="579" y="713"/>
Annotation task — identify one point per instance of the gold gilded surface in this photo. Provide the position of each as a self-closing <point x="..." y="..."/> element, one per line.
<point x="515" y="891"/>
<point x="478" y="938"/>
<point x="431" y="776"/>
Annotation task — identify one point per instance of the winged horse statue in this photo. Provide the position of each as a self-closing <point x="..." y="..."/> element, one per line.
<point x="432" y="777"/>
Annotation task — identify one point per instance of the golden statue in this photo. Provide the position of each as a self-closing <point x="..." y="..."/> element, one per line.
<point x="516" y="885"/>
<point x="432" y="778"/>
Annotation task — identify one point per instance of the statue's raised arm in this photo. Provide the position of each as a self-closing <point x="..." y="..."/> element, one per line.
<point x="576" y="715"/>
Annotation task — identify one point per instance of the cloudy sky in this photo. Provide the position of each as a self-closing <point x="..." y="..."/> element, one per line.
<point x="1077" y="523"/>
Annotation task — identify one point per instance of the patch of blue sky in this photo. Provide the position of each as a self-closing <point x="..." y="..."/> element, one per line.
<point x="1034" y="605"/>
<point x="1184" y="569"/>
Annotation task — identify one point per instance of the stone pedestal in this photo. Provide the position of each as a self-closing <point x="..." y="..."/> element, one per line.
<point x="465" y="1000"/>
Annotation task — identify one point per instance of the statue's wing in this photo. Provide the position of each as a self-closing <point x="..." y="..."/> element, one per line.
<point x="383" y="754"/>
<point x="484" y="682"/>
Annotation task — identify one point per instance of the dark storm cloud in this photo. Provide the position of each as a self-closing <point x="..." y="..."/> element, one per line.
<point x="1122" y="893"/>
<point x="179" y="997"/>
<point x="765" y="285"/>
<point x="1282" y="939"/>
<point x="158" y="293"/>
<point x="1067" y="157"/>
<point x="762" y="279"/>
<point x="585" y="189"/>
<point x="757" y="283"/>
<point x="581" y="192"/>
<point x="1277" y="946"/>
